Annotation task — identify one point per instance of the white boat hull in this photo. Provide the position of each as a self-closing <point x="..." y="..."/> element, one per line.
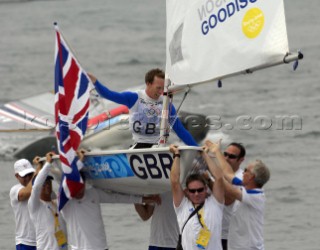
<point x="136" y="171"/>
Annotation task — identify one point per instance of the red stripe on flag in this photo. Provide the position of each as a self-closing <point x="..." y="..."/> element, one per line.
<point x="70" y="83"/>
<point x="74" y="187"/>
<point x="81" y="113"/>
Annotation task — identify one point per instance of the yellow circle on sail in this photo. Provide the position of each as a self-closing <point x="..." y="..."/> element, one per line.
<point x="253" y="22"/>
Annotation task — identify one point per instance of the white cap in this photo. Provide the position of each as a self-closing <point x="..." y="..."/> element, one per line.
<point x="23" y="167"/>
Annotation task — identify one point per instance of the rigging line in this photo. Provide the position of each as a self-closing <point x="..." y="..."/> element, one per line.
<point x="178" y="109"/>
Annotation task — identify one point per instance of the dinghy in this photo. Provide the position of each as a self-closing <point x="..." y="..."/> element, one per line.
<point x="134" y="171"/>
<point x="206" y="41"/>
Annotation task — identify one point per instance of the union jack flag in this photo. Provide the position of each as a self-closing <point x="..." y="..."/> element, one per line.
<point x="71" y="115"/>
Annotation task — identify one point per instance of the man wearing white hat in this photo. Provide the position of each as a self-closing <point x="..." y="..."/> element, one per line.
<point x="19" y="195"/>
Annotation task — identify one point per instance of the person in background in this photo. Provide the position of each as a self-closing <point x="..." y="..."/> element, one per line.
<point x="25" y="237"/>
<point x="83" y="215"/>
<point x="234" y="154"/>
<point x="203" y="229"/>
<point x="145" y="107"/>
<point x="164" y="229"/>
<point x="50" y="226"/>
<point x="246" y="223"/>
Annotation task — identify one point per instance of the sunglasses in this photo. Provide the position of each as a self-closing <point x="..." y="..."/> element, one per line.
<point x="198" y="190"/>
<point x="230" y="156"/>
<point x="247" y="170"/>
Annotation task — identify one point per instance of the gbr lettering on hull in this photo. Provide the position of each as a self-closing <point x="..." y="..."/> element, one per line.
<point x="153" y="166"/>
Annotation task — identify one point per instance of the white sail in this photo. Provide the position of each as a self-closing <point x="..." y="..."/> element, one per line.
<point x="211" y="39"/>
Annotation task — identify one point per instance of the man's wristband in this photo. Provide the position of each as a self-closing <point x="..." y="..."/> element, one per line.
<point x="176" y="155"/>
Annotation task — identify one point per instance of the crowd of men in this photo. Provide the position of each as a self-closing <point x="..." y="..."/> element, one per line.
<point x="215" y="211"/>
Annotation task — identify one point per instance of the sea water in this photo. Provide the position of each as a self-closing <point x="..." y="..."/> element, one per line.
<point x="118" y="41"/>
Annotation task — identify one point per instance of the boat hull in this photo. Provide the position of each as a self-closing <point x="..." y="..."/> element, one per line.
<point x="136" y="171"/>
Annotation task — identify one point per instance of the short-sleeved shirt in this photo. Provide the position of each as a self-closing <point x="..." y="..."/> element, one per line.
<point x="145" y="118"/>
<point x="84" y="220"/>
<point x="228" y="211"/>
<point x="212" y="214"/>
<point x="164" y="230"/>
<point x="25" y="231"/>
<point x="246" y="224"/>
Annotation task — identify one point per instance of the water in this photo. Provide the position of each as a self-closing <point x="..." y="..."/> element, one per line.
<point x="119" y="41"/>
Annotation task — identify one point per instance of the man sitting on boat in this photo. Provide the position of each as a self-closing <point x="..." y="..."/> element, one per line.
<point x="145" y="108"/>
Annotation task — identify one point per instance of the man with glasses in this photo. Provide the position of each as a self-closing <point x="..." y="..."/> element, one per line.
<point x="19" y="195"/>
<point x="203" y="229"/>
<point x="234" y="154"/>
<point x="246" y="224"/>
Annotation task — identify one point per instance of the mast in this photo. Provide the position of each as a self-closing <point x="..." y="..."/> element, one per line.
<point x="164" y="124"/>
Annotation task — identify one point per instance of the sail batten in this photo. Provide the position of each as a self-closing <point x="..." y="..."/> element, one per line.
<point x="210" y="40"/>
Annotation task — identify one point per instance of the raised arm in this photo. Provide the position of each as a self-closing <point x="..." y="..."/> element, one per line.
<point x="126" y="98"/>
<point x="218" y="185"/>
<point x="230" y="191"/>
<point x="177" y="191"/>
<point x="25" y="192"/>
<point x="34" y="200"/>
<point x="145" y="211"/>
<point x="226" y="168"/>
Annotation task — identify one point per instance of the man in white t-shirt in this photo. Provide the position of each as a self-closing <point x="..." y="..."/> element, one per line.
<point x="234" y="155"/>
<point x="50" y="227"/>
<point x="246" y="224"/>
<point x="203" y="229"/>
<point x="19" y="195"/>
<point x="84" y="219"/>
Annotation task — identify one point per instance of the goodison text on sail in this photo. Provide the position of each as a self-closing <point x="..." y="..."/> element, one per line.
<point x="221" y="15"/>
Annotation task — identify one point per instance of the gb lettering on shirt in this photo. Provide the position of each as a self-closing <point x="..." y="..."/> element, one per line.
<point x="147" y="118"/>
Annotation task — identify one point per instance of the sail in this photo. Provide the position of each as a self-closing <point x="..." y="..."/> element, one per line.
<point x="33" y="113"/>
<point x="211" y="39"/>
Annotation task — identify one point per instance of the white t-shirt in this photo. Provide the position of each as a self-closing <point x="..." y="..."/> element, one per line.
<point x="164" y="230"/>
<point x="84" y="221"/>
<point x="42" y="214"/>
<point x="246" y="224"/>
<point x="25" y="232"/>
<point x="145" y="118"/>
<point x="212" y="217"/>
<point x="228" y="211"/>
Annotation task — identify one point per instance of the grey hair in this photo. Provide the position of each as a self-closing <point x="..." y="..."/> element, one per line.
<point x="261" y="172"/>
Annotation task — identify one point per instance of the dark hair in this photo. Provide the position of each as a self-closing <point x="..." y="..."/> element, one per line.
<point x="49" y="177"/>
<point x="152" y="73"/>
<point x="195" y="177"/>
<point x="240" y="147"/>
